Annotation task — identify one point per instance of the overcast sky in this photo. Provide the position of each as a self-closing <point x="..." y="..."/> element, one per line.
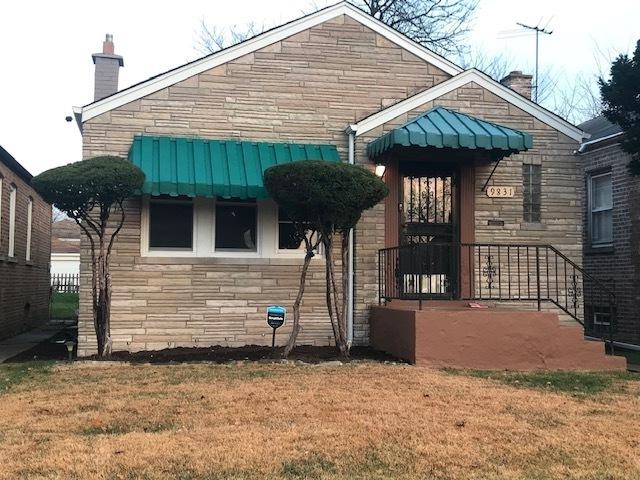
<point x="46" y="46"/>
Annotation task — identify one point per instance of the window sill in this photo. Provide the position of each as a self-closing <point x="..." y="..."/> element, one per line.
<point x="29" y="263"/>
<point x="605" y="250"/>
<point x="292" y="261"/>
<point x="11" y="260"/>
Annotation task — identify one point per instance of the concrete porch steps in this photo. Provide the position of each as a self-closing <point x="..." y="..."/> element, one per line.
<point x="451" y="334"/>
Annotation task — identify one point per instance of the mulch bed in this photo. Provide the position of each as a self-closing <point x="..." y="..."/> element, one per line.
<point x="54" y="350"/>
<point x="251" y="353"/>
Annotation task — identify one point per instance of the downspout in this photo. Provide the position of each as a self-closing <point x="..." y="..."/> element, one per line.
<point x="351" y="132"/>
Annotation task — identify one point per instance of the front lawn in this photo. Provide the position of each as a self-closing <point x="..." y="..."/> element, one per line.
<point x="360" y="420"/>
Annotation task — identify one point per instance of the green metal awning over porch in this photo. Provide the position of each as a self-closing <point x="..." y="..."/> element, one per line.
<point x="209" y="168"/>
<point x="444" y="128"/>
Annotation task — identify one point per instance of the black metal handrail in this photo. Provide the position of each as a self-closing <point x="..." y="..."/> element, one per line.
<point x="498" y="272"/>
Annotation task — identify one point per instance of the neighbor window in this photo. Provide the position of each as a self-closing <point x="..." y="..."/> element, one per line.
<point x="171" y="224"/>
<point x="236" y="225"/>
<point x="532" y="180"/>
<point x="600" y="200"/>
<point x="29" y="226"/>
<point x="12" y="220"/>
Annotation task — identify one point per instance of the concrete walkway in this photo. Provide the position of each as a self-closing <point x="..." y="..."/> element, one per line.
<point x="13" y="346"/>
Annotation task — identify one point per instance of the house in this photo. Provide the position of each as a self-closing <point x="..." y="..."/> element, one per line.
<point x="25" y="236"/>
<point x="470" y="163"/>
<point x="65" y="247"/>
<point x="611" y="229"/>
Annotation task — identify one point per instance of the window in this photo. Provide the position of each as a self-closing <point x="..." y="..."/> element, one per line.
<point x="12" y="220"/>
<point x="236" y="226"/>
<point x="170" y="224"/>
<point x="600" y="205"/>
<point x="29" y="226"/>
<point x="288" y="237"/>
<point x="532" y="180"/>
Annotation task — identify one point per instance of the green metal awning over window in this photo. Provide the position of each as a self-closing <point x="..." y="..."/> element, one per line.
<point x="209" y="168"/>
<point x="444" y="128"/>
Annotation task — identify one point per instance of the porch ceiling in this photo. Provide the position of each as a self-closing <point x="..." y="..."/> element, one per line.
<point x="444" y="128"/>
<point x="198" y="167"/>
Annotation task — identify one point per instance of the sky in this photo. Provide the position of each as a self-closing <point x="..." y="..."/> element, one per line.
<point x="46" y="47"/>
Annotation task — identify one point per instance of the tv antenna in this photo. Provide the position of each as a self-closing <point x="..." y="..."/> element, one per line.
<point x="538" y="30"/>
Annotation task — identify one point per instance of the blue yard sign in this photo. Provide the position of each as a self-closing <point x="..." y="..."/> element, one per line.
<point x="275" y="319"/>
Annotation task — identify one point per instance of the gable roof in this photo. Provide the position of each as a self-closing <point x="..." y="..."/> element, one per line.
<point x="468" y="76"/>
<point x="13" y="165"/>
<point x="262" y="40"/>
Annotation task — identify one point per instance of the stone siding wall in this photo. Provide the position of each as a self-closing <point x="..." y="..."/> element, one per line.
<point x="306" y="88"/>
<point x="24" y="286"/>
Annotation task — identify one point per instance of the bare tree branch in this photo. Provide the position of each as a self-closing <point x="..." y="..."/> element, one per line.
<point x="440" y="25"/>
<point x="212" y="38"/>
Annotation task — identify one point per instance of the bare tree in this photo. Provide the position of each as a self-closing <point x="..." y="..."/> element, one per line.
<point x="496" y="66"/>
<point x="440" y="25"/>
<point x="212" y="38"/>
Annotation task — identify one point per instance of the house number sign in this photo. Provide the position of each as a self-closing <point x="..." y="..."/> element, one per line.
<point x="495" y="191"/>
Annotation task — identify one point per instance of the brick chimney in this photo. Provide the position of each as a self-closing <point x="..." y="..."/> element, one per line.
<point x="518" y="82"/>
<point x="107" y="66"/>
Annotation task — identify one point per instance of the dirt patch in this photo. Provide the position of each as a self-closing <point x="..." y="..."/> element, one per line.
<point x="251" y="353"/>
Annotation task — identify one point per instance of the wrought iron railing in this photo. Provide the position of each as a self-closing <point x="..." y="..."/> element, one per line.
<point x="498" y="272"/>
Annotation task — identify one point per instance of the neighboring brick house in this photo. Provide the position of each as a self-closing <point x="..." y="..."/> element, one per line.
<point x="65" y="247"/>
<point x="202" y="252"/>
<point x="611" y="240"/>
<point x="25" y="246"/>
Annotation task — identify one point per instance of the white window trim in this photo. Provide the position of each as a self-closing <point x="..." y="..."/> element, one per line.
<point x="286" y="252"/>
<point x="29" y="227"/>
<point x="596" y="315"/>
<point x="13" y="193"/>
<point x="204" y="233"/>
<point x="145" y="223"/>
<point x="591" y="211"/>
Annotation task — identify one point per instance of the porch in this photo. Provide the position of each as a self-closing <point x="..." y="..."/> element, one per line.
<point x="446" y="298"/>
<point x="491" y="306"/>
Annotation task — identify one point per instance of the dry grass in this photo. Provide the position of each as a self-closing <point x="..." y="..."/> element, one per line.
<point x="366" y="421"/>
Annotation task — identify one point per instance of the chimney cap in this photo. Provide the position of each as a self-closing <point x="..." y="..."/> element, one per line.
<point x="108" y="51"/>
<point x="517" y="74"/>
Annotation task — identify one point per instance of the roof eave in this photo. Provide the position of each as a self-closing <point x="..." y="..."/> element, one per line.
<point x="471" y="75"/>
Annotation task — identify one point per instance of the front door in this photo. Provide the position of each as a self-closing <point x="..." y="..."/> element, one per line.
<point x="428" y="230"/>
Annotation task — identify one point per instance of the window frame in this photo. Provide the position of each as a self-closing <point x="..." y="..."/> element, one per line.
<point x="288" y="252"/>
<point x="13" y="200"/>
<point x="239" y="252"/>
<point x="204" y="226"/>
<point x="146" y="229"/>
<point x="530" y="187"/>
<point x="590" y="211"/>
<point x="27" y="254"/>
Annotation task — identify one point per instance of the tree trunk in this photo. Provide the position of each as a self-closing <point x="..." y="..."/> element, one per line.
<point x="296" y="305"/>
<point x="333" y="295"/>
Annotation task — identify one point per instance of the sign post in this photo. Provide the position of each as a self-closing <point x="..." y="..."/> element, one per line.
<point x="275" y="319"/>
